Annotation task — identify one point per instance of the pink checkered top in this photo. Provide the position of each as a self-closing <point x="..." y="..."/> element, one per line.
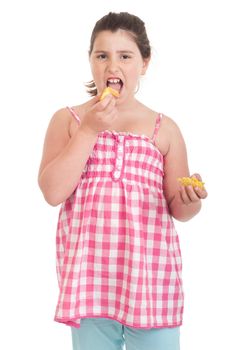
<point x="118" y="253"/>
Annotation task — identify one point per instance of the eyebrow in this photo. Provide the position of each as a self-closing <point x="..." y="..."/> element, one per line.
<point x="119" y="51"/>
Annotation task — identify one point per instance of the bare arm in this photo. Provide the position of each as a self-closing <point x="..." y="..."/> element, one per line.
<point x="64" y="157"/>
<point x="183" y="202"/>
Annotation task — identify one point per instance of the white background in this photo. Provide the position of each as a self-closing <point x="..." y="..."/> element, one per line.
<point x="44" y="64"/>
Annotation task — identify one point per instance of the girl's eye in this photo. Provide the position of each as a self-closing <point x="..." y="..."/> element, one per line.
<point x="125" y="57"/>
<point x="102" y="56"/>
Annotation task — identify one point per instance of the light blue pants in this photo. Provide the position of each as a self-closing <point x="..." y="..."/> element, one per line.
<point x="107" y="334"/>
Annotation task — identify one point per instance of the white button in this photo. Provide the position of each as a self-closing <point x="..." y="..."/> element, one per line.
<point x="117" y="174"/>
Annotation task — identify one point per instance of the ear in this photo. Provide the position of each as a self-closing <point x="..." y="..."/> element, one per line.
<point x="146" y="62"/>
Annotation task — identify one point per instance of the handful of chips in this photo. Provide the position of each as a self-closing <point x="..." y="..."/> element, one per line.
<point x="191" y="181"/>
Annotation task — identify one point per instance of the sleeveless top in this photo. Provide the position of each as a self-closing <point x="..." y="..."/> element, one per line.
<point x="118" y="253"/>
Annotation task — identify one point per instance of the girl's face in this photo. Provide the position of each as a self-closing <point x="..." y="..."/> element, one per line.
<point x="117" y="62"/>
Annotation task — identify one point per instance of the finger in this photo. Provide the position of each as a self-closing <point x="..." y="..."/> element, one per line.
<point x="192" y="194"/>
<point x="106" y="112"/>
<point x="109" y="100"/>
<point x="107" y="116"/>
<point x="196" y="176"/>
<point x="110" y="105"/>
<point x="97" y="105"/>
<point x="202" y="193"/>
<point x="189" y="195"/>
<point x="94" y="100"/>
<point x="183" y="195"/>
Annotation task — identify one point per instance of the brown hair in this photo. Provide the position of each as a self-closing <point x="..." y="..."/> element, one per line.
<point x="125" y="21"/>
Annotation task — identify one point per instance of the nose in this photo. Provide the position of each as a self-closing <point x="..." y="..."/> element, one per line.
<point x="112" y="66"/>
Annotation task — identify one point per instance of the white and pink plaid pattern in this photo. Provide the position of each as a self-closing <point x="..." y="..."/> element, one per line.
<point x="118" y="253"/>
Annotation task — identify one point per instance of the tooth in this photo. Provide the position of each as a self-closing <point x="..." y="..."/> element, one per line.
<point x="114" y="81"/>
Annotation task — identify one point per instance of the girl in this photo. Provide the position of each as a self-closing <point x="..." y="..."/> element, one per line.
<point x="114" y="165"/>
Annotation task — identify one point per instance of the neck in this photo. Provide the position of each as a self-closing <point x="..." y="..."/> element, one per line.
<point x="128" y="105"/>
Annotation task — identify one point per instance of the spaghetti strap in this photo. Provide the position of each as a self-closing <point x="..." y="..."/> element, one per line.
<point x="71" y="110"/>
<point x="157" y="126"/>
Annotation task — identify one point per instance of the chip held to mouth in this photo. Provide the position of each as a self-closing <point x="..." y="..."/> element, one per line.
<point x="108" y="90"/>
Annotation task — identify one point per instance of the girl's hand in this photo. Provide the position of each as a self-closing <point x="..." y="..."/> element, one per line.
<point x="190" y="194"/>
<point x="99" y="115"/>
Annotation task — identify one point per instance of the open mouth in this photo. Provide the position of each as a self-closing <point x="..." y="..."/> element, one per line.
<point x="115" y="83"/>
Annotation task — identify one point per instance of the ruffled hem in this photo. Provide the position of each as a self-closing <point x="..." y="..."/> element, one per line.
<point x="75" y="322"/>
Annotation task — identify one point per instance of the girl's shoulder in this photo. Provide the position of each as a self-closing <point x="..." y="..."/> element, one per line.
<point x="67" y="117"/>
<point x="166" y="123"/>
<point x="75" y="115"/>
<point x="168" y="131"/>
<point x="68" y="112"/>
<point x="163" y="128"/>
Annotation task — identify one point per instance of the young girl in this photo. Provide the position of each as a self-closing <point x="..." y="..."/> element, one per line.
<point x="113" y="163"/>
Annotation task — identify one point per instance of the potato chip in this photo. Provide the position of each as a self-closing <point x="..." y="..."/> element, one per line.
<point x="191" y="181"/>
<point x="108" y="91"/>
